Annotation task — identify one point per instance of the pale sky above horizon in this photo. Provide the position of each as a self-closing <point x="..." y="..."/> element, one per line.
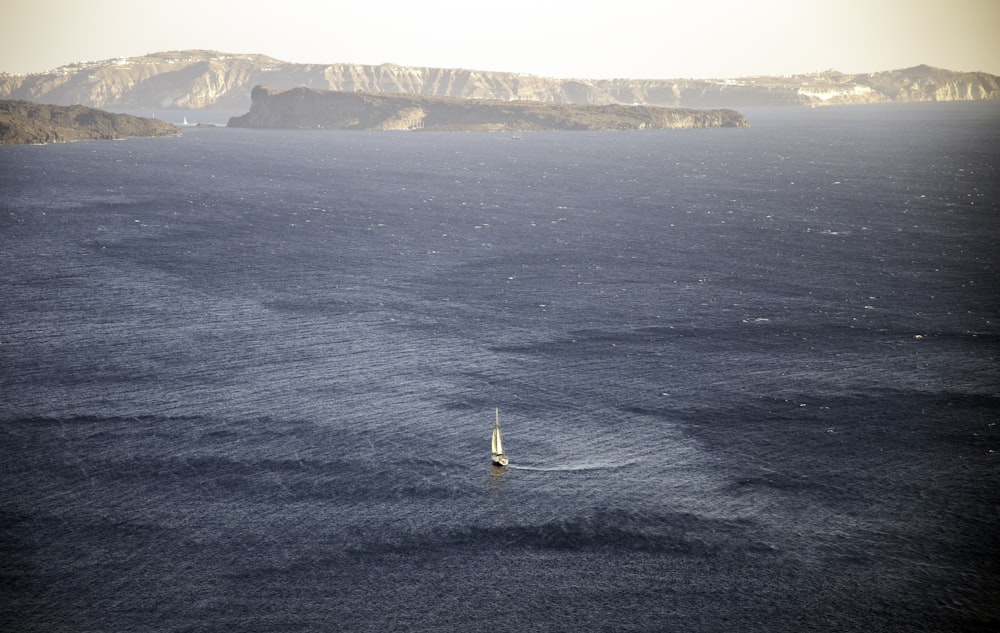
<point x="582" y="39"/>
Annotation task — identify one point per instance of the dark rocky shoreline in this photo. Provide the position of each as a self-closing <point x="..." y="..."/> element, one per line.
<point x="306" y="108"/>
<point x="24" y="122"/>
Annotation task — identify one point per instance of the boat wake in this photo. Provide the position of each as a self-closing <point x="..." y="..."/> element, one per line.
<point x="577" y="467"/>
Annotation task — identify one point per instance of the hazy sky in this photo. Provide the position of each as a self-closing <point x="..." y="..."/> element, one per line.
<point x="575" y="38"/>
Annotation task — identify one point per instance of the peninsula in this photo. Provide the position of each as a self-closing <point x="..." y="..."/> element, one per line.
<point x="24" y="122"/>
<point x="306" y="108"/>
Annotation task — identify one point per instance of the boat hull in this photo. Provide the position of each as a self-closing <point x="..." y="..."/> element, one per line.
<point x="499" y="460"/>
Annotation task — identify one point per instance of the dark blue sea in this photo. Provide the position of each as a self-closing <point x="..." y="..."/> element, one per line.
<point x="748" y="379"/>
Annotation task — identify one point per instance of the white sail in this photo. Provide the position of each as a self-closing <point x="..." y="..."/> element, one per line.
<point x="497" y="439"/>
<point x="497" y="442"/>
<point x="498" y="457"/>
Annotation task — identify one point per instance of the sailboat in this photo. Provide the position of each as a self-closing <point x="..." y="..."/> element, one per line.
<point x="499" y="457"/>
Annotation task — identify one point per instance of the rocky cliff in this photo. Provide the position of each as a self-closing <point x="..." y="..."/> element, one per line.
<point x="920" y="83"/>
<point x="305" y="108"/>
<point x="23" y="122"/>
<point x="203" y="79"/>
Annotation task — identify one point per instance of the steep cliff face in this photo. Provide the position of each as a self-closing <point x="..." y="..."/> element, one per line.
<point x="305" y="108"/>
<point x="921" y="83"/>
<point x="203" y="79"/>
<point x="187" y="79"/>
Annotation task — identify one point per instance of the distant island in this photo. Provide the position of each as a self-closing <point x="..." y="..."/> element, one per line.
<point x="305" y="108"/>
<point x="195" y="79"/>
<point x="24" y="122"/>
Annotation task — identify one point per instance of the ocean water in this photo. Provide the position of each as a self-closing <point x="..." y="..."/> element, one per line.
<point x="748" y="379"/>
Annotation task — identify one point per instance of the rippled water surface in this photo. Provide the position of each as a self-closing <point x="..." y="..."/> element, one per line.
<point x="748" y="378"/>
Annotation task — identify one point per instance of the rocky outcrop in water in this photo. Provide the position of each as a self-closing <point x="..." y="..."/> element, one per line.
<point x="203" y="79"/>
<point x="23" y="122"/>
<point x="304" y="108"/>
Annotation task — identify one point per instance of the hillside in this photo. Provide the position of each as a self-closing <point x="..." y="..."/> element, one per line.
<point x="23" y="122"/>
<point x="305" y="108"/>
<point x="210" y="79"/>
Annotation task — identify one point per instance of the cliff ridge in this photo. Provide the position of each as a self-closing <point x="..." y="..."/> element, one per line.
<point x="210" y="79"/>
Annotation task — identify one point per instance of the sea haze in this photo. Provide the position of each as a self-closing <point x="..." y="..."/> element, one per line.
<point x="748" y="378"/>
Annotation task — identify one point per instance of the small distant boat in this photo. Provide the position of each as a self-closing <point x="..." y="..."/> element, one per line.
<point x="499" y="457"/>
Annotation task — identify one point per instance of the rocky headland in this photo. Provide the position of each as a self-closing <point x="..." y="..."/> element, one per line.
<point x="209" y="79"/>
<point x="23" y="122"/>
<point x="306" y="108"/>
